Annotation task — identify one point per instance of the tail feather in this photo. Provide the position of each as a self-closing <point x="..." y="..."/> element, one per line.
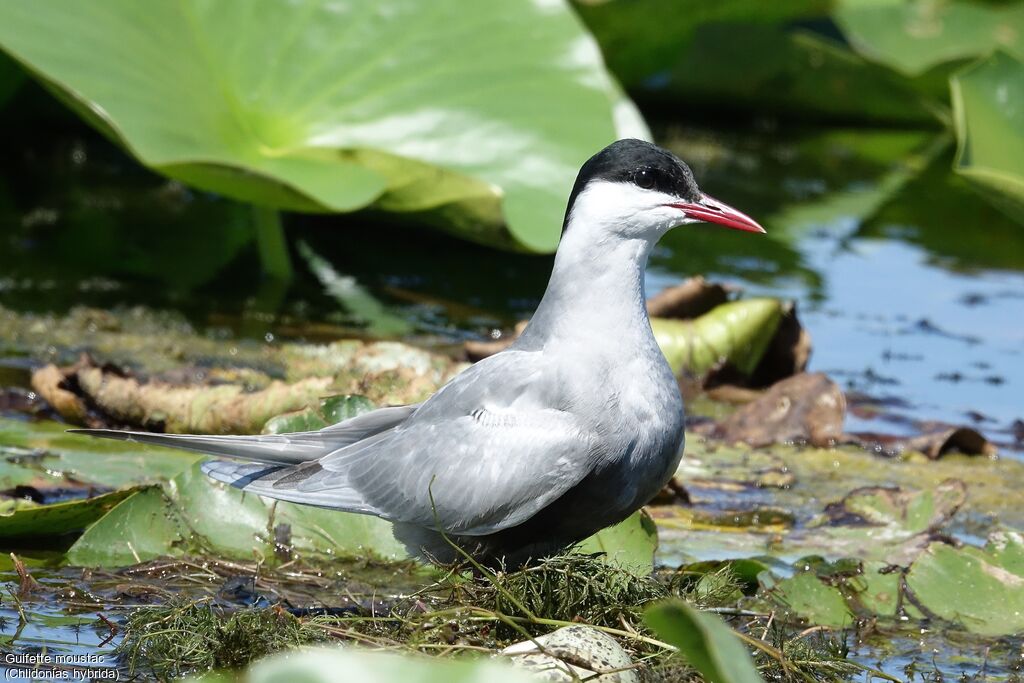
<point x="275" y="449"/>
<point x="281" y="449"/>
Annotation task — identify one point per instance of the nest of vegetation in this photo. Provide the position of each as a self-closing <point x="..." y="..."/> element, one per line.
<point x="475" y="612"/>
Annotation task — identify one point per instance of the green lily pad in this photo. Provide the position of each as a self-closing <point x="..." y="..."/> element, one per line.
<point x="196" y="515"/>
<point x="336" y="106"/>
<point x="982" y="589"/>
<point x="42" y="521"/>
<point x="804" y="595"/>
<point x="907" y="512"/>
<point x="988" y="108"/>
<point x="332" y="410"/>
<point x="707" y="643"/>
<point x="305" y="420"/>
<point x="737" y="332"/>
<point x="913" y="37"/>
<point x="744" y="54"/>
<point x="630" y="544"/>
<point x="876" y="591"/>
<point x="140" y="528"/>
<point x="337" y="409"/>
<point x="47" y="454"/>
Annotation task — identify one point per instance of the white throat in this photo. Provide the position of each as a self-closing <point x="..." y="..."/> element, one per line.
<point x="596" y="288"/>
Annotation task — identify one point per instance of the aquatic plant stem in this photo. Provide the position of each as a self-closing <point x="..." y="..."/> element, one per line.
<point x="272" y="244"/>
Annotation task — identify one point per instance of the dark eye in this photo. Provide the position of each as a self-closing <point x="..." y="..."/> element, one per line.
<point x="644" y="178"/>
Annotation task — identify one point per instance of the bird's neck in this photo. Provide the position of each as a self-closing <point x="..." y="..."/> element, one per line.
<point x="596" y="290"/>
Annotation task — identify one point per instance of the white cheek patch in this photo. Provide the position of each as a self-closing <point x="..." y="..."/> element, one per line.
<point x="623" y="208"/>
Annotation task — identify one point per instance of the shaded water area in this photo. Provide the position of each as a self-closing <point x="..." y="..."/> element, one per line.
<point x="910" y="284"/>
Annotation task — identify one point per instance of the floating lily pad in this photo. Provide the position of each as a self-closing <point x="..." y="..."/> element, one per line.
<point x="804" y="595"/>
<point x="335" y="106"/>
<point x="142" y="527"/>
<point x="982" y="589"/>
<point x="630" y="544"/>
<point x="909" y="512"/>
<point x="197" y="514"/>
<point x="988" y="107"/>
<point x="43" y="452"/>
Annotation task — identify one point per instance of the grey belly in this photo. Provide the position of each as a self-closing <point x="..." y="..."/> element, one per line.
<point x="592" y="505"/>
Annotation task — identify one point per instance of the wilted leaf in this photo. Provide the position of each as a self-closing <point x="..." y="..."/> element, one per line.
<point x="758" y="520"/>
<point x="988" y="108"/>
<point x="704" y="640"/>
<point x="940" y="441"/>
<point x="334" y="106"/>
<point x="915" y="36"/>
<point x="693" y="297"/>
<point x="630" y="544"/>
<point x="737" y="332"/>
<point x="806" y="408"/>
<point x="911" y="512"/>
<point x="981" y="589"/>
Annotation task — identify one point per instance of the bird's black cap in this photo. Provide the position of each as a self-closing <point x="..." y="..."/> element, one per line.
<point x="639" y="162"/>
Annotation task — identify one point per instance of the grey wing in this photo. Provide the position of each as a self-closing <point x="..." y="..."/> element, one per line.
<point x="488" y="448"/>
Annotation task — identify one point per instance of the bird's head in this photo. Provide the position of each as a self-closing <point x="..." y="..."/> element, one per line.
<point x="634" y="189"/>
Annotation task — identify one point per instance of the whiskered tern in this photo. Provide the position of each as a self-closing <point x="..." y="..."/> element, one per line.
<point x="570" y="429"/>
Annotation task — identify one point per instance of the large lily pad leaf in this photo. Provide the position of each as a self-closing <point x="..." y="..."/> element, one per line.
<point x="334" y="106"/>
<point x="706" y="642"/>
<point x="913" y="37"/>
<point x="196" y="514"/>
<point x="43" y="453"/>
<point x="806" y="596"/>
<point x="981" y="589"/>
<point x="630" y="544"/>
<point x="988" y="107"/>
<point x="743" y="54"/>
